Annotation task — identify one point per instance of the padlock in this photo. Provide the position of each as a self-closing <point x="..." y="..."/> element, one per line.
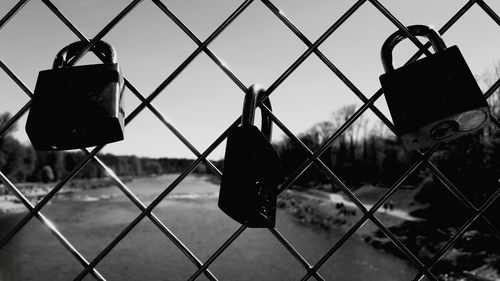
<point x="434" y="99"/>
<point x="77" y="106"/>
<point x="249" y="185"/>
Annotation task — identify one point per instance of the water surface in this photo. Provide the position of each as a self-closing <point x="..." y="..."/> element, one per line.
<point x="91" y="219"/>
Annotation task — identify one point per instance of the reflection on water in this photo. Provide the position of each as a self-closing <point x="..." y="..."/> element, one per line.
<point x="91" y="219"/>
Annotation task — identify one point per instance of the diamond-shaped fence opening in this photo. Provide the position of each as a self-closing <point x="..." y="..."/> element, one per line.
<point x="126" y="213"/>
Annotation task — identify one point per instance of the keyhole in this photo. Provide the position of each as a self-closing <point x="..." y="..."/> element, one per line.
<point x="444" y="129"/>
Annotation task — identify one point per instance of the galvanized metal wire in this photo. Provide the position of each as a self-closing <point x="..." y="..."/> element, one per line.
<point x="313" y="157"/>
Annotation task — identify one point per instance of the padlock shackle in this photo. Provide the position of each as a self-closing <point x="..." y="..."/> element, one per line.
<point x="253" y="94"/>
<point x="67" y="53"/>
<point x="416" y="30"/>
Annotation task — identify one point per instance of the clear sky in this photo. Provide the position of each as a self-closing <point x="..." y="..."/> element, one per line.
<point x="257" y="47"/>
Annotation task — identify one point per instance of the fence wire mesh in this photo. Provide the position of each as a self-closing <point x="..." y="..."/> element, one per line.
<point x="203" y="267"/>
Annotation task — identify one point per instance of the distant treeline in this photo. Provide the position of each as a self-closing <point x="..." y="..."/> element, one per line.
<point x="21" y="163"/>
<point x="367" y="152"/>
<point x="371" y="155"/>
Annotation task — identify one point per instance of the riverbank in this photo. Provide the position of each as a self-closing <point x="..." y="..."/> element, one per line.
<point x="333" y="211"/>
<point x="10" y="204"/>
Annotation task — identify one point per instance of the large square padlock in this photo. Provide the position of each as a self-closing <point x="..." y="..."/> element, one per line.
<point x="433" y="99"/>
<point x="79" y="106"/>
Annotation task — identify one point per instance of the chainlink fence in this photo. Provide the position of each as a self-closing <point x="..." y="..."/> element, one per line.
<point x="312" y="267"/>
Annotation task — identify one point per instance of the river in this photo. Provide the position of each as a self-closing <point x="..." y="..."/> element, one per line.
<point x="91" y="219"/>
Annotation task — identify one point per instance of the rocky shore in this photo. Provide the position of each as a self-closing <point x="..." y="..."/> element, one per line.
<point x="9" y="203"/>
<point x="463" y="263"/>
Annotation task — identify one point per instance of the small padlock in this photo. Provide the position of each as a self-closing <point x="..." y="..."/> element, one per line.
<point x="249" y="184"/>
<point x="78" y="106"/>
<point x="433" y="99"/>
